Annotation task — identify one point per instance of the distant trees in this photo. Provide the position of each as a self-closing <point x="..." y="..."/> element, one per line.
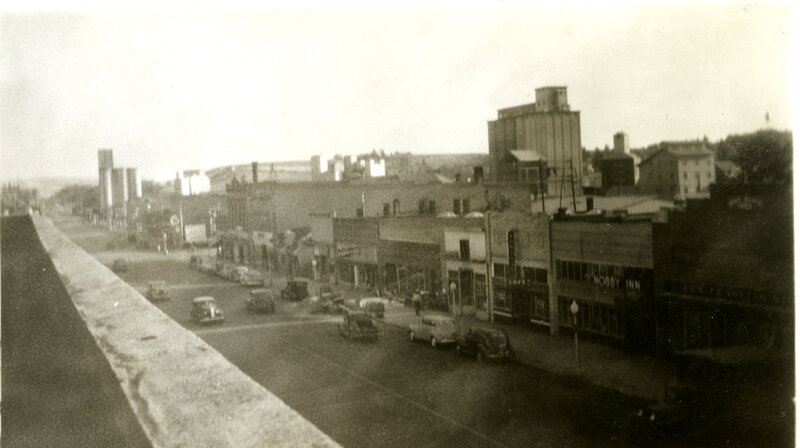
<point x="17" y="199"/>
<point x="765" y="156"/>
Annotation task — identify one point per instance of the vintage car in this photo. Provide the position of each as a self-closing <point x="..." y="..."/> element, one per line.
<point x="156" y="291"/>
<point x="226" y="270"/>
<point x="252" y="278"/>
<point x="238" y="273"/>
<point x="486" y="344"/>
<point x="260" y="301"/>
<point x="435" y="329"/>
<point x="683" y="410"/>
<point x="119" y="265"/>
<point x="373" y="305"/>
<point x="295" y="290"/>
<point x="207" y="264"/>
<point x="331" y="301"/>
<point x="205" y="310"/>
<point x="358" y="325"/>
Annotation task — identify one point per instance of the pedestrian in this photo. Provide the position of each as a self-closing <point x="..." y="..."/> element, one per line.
<point x="416" y="300"/>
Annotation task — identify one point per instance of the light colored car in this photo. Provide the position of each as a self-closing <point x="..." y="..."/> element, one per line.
<point x="238" y="273"/>
<point x="227" y="271"/>
<point x="436" y="329"/>
<point x="373" y="305"/>
<point x="252" y="278"/>
<point x="205" y="310"/>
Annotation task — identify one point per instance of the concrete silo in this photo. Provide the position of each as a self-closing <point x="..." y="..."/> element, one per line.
<point x="134" y="183"/>
<point x="119" y="187"/>
<point x="105" y="163"/>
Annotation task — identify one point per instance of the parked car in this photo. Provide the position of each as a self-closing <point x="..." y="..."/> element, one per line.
<point x="331" y="301"/>
<point x="358" y="325"/>
<point x="436" y="329"/>
<point x="119" y="265"/>
<point x="373" y="305"/>
<point x="260" y="301"/>
<point x="207" y="264"/>
<point x="486" y="344"/>
<point x="156" y="291"/>
<point x="224" y="270"/>
<point x="683" y="410"/>
<point x="295" y="290"/>
<point x="239" y="273"/>
<point x="252" y="278"/>
<point x="205" y="310"/>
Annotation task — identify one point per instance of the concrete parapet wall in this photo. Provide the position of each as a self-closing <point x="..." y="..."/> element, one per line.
<point x="183" y="392"/>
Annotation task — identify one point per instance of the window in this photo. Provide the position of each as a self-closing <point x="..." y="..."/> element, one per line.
<point x="499" y="270"/>
<point x="463" y="246"/>
<point x="465" y="205"/>
<point x="387" y="209"/>
<point x="432" y="207"/>
<point x="686" y="189"/>
<point x="423" y="206"/>
<point x="708" y="174"/>
<point x="360" y="212"/>
<point x="396" y="207"/>
<point x="685" y="175"/>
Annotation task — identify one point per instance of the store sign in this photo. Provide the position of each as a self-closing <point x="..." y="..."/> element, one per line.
<point x="348" y="251"/>
<point x="725" y="293"/>
<point x="608" y="281"/>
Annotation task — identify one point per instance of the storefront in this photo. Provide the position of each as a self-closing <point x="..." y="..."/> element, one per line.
<point x="605" y="266"/>
<point x="520" y="293"/>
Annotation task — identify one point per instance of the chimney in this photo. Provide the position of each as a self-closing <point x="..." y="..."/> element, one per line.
<point x="255" y="172"/>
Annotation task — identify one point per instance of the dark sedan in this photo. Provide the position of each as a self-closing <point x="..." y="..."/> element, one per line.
<point x="486" y="344"/>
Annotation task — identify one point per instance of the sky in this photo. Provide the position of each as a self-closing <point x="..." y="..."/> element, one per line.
<point x="169" y="90"/>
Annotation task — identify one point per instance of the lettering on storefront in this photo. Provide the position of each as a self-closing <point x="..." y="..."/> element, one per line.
<point x="607" y="281"/>
<point x="724" y="293"/>
<point x="344" y="252"/>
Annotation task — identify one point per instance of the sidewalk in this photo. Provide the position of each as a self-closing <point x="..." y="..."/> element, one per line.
<point x="602" y="365"/>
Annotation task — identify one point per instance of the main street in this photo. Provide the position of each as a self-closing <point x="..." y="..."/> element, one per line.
<point x="389" y="393"/>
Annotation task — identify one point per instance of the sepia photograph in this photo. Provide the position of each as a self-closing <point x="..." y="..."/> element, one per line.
<point x="386" y="224"/>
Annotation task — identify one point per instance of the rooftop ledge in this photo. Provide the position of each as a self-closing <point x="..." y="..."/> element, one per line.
<point x="183" y="392"/>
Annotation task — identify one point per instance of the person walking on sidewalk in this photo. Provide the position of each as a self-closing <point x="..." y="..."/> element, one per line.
<point x="416" y="301"/>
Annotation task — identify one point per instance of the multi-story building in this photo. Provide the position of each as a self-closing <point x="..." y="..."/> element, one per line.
<point x="724" y="273"/>
<point x="681" y="170"/>
<point x="465" y="263"/>
<point x="519" y="265"/>
<point x="538" y="143"/>
<point x="605" y="265"/>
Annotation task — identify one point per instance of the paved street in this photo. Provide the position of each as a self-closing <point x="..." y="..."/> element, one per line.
<point x="389" y="393"/>
<point x="393" y="392"/>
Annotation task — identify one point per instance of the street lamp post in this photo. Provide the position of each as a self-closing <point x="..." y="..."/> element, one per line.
<point x="575" y="309"/>
<point x="453" y="295"/>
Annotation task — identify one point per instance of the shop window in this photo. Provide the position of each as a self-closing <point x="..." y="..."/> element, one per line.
<point x="432" y="207"/>
<point x="501" y="300"/>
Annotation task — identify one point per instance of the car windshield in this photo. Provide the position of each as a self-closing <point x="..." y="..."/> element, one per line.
<point x="444" y="324"/>
<point x="499" y="339"/>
